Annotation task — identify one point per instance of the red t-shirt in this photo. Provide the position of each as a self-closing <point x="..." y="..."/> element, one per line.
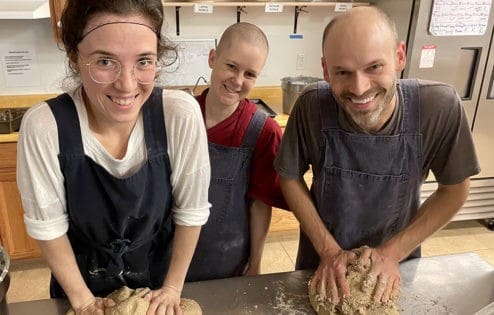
<point x="264" y="181"/>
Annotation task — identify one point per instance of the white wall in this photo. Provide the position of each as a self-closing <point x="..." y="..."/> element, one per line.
<point x="278" y="26"/>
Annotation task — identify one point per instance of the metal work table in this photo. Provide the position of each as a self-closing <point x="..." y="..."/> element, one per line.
<point x="450" y="284"/>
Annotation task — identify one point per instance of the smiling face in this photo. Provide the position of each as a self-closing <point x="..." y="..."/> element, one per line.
<point x="234" y="71"/>
<point x="120" y="101"/>
<point x="360" y="61"/>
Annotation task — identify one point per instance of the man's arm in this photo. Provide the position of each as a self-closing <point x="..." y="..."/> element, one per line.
<point x="329" y="278"/>
<point x="434" y="213"/>
<point x="260" y="218"/>
<point x="299" y="200"/>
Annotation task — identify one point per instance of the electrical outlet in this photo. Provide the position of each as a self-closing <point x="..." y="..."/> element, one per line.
<point x="300" y="61"/>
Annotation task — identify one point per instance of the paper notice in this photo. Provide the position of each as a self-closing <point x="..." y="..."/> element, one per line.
<point x="427" y="56"/>
<point x="19" y="66"/>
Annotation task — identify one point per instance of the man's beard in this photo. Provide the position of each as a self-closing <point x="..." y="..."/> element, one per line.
<point x="369" y="120"/>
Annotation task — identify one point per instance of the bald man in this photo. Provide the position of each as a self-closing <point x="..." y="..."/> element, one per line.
<point x="371" y="140"/>
<point x="243" y="142"/>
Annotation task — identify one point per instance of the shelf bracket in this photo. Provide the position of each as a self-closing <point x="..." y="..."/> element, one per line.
<point x="240" y="10"/>
<point x="298" y="9"/>
<point x="177" y="19"/>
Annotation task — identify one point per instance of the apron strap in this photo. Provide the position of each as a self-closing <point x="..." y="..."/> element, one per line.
<point x="154" y="124"/>
<point x="254" y="130"/>
<point x="328" y="106"/>
<point x="64" y="110"/>
<point x="411" y="106"/>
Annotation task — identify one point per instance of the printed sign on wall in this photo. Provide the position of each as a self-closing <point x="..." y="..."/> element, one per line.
<point x="427" y="56"/>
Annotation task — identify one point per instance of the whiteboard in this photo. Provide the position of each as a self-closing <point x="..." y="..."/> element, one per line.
<point x="459" y="17"/>
<point x="191" y="63"/>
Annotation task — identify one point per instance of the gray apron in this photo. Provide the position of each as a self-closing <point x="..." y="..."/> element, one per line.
<point x="369" y="186"/>
<point x="223" y="248"/>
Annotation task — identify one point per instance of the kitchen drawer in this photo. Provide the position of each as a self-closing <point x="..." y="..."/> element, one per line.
<point x="8" y="159"/>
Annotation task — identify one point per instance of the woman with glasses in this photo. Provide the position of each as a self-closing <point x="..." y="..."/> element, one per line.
<point x="114" y="174"/>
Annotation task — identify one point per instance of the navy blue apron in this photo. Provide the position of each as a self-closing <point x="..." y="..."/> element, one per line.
<point x="223" y="248"/>
<point x="369" y="187"/>
<point x="121" y="230"/>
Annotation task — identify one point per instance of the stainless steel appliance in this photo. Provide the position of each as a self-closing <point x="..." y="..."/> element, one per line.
<point x="4" y="279"/>
<point x="450" y="41"/>
<point x="292" y="87"/>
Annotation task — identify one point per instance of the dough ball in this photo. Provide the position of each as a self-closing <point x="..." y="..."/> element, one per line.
<point x="190" y="307"/>
<point x="132" y="302"/>
<point x="128" y="302"/>
<point x="360" y="301"/>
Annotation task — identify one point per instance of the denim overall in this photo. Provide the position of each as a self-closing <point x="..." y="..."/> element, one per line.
<point x="223" y="249"/>
<point x="121" y="230"/>
<point x="369" y="187"/>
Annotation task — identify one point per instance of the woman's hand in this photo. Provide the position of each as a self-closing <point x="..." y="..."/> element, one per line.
<point x="164" y="301"/>
<point x="96" y="306"/>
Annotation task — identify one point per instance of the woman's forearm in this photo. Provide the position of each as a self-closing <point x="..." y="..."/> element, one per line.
<point x="260" y="218"/>
<point x="60" y="257"/>
<point x="184" y="245"/>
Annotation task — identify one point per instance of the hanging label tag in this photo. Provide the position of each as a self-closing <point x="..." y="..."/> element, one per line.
<point x="342" y="7"/>
<point x="203" y="8"/>
<point x="273" y="7"/>
<point x="427" y="56"/>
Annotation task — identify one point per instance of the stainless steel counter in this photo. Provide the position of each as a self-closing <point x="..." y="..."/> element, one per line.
<point x="452" y="284"/>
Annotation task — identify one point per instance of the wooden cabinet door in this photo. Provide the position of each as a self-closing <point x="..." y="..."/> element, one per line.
<point x="13" y="234"/>
<point x="56" y="8"/>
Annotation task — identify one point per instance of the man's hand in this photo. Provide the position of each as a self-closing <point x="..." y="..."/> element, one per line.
<point x="384" y="275"/>
<point x="329" y="279"/>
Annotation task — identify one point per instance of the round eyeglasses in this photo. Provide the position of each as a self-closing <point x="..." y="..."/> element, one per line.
<point x="107" y="70"/>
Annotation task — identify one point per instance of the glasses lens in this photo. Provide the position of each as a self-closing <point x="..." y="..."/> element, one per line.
<point x="108" y="70"/>
<point x="104" y="70"/>
<point x="146" y="70"/>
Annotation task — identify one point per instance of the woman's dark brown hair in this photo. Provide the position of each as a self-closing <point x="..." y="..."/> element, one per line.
<point x="77" y="13"/>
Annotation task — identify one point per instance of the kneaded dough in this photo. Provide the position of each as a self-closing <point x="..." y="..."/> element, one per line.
<point x="132" y="302"/>
<point x="190" y="307"/>
<point x="360" y="301"/>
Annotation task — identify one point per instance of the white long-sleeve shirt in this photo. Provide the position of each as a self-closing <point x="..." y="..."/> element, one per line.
<point x="41" y="182"/>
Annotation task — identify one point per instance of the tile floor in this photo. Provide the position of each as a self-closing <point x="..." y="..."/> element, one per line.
<point x="29" y="279"/>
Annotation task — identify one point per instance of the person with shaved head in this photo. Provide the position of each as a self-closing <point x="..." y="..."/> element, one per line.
<point x="243" y="142"/>
<point x="371" y="140"/>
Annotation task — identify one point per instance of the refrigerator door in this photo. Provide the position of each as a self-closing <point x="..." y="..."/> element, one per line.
<point x="483" y="129"/>
<point x="457" y="60"/>
<point x="465" y="62"/>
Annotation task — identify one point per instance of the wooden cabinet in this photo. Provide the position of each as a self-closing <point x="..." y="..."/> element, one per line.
<point x="56" y="8"/>
<point x="13" y="234"/>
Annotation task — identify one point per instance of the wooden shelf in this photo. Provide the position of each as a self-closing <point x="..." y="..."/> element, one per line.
<point x="260" y="4"/>
<point x="299" y="7"/>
